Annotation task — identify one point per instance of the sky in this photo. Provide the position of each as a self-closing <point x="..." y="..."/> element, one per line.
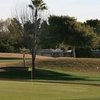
<point x="82" y="10"/>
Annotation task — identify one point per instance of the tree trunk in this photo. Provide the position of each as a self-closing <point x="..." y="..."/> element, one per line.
<point x="34" y="48"/>
<point x="33" y="56"/>
<point x="33" y="64"/>
<point x="24" y="59"/>
<point x="73" y="52"/>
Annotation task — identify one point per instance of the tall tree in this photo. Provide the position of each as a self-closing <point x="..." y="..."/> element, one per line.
<point x="43" y="36"/>
<point x="37" y="6"/>
<point x="11" y="34"/>
<point x="81" y="36"/>
<point x="66" y="30"/>
<point x="95" y="24"/>
<point x="16" y="31"/>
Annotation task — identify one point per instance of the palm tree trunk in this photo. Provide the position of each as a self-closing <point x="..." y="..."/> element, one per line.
<point x="34" y="48"/>
<point x="33" y="64"/>
<point x="38" y="5"/>
<point x="33" y="56"/>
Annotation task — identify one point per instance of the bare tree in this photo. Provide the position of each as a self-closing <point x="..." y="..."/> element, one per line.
<point x="33" y="15"/>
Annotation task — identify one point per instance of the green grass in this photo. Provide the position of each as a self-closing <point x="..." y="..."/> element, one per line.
<point x="58" y="69"/>
<point x="14" y="90"/>
<point x="56" y="79"/>
<point x="47" y="75"/>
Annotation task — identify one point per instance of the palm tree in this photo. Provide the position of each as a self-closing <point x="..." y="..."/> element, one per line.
<point x="36" y="7"/>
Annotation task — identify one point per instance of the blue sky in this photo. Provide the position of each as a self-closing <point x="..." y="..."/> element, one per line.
<point x="82" y="10"/>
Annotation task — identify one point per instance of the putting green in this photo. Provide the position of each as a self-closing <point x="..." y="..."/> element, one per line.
<point x="14" y="90"/>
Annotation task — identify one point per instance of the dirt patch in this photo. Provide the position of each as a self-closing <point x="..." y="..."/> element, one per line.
<point x="13" y="55"/>
<point x="17" y="55"/>
<point x="7" y="64"/>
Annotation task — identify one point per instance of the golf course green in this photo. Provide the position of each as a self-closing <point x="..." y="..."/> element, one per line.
<point x="55" y="79"/>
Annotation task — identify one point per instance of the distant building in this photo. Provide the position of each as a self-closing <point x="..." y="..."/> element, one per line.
<point x="56" y="53"/>
<point x="96" y="53"/>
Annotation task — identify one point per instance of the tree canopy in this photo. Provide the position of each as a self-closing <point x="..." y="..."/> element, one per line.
<point x="67" y="31"/>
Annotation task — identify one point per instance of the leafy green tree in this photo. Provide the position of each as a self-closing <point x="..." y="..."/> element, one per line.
<point x="81" y="36"/>
<point x="95" y="24"/>
<point x="6" y="41"/>
<point x="16" y="31"/>
<point x="58" y="29"/>
<point x="37" y="6"/>
<point x="11" y="35"/>
<point x="44" y="42"/>
<point x="28" y="37"/>
<point x="67" y="31"/>
<point x="84" y="53"/>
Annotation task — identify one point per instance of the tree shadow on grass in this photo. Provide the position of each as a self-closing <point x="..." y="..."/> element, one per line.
<point x="22" y="73"/>
<point x="42" y="74"/>
<point x="14" y="73"/>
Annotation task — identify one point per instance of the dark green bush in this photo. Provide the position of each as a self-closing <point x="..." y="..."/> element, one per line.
<point x="83" y="52"/>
